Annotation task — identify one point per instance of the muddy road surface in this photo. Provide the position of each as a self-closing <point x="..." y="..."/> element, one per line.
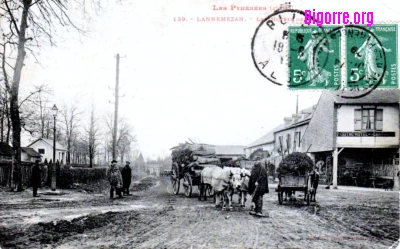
<point x="153" y="217"/>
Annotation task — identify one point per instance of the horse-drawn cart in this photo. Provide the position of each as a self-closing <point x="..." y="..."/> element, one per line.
<point x="188" y="160"/>
<point x="296" y="173"/>
<point x="289" y="183"/>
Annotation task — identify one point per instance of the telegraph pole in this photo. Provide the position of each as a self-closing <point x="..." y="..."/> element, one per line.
<point x="116" y="112"/>
<point x="116" y="94"/>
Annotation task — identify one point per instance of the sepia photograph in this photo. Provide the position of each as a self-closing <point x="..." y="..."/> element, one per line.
<point x="218" y="124"/>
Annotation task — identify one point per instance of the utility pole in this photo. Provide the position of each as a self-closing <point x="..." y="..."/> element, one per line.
<point x="116" y="95"/>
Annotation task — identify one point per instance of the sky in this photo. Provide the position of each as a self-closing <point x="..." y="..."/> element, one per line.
<point x="180" y="80"/>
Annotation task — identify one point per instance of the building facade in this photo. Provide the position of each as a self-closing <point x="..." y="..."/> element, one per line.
<point x="29" y="155"/>
<point x="354" y="141"/>
<point x="229" y="152"/>
<point x="45" y="148"/>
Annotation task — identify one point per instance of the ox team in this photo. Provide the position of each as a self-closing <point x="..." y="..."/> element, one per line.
<point x="225" y="181"/>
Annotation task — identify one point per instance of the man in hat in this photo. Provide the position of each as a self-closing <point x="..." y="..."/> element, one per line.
<point x="115" y="178"/>
<point x="36" y="177"/>
<point x="258" y="186"/>
<point x="126" y="178"/>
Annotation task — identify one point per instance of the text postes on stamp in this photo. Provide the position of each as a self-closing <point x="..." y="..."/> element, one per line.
<point x="314" y="57"/>
<point x="269" y="44"/>
<point x="371" y="56"/>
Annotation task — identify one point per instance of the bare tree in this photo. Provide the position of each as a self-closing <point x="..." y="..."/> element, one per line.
<point x="5" y="122"/>
<point x="35" y="112"/>
<point x="30" y="23"/>
<point x="70" y="118"/>
<point x="125" y="136"/>
<point x="92" y="132"/>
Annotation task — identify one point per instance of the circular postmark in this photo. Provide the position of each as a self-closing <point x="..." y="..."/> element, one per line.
<point x="365" y="61"/>
<point x="269" y="47"/>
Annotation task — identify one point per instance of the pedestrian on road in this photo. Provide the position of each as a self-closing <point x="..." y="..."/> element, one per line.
<point x="258" y="186"/>
<point x="126" y="178"/>
<point x="115" y="178"/>
<point x="36" y="177"/>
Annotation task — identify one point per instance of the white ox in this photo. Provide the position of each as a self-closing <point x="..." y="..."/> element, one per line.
<point x="239" y="184"/>
<point x="224" y="181"/>
<point x="243" y="188"/>
<point x="219" y="179"/>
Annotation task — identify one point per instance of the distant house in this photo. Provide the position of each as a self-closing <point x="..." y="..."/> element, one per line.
<point x="229" y="152"/>
<point x="5" y="153"/>
<point x="153" y="168"/>
<point x="29" y="154"/>
<point x="45" y="148"/>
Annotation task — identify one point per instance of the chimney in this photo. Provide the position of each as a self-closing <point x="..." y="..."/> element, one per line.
<point x="287" y="120"/>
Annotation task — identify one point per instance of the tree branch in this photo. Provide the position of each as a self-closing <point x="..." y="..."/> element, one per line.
<point x="12" y="17"/>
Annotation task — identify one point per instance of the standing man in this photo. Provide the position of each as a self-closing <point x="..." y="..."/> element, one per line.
<point x="126" y="178"/>
<point x="258" y="186"/>
<point x="115" y="178"/>
<point x="36" y="177"/>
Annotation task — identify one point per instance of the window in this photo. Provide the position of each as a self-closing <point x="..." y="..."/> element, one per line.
<point x="288" y="141"/>
<point x="41" y="151"/>
<point x="280" y="141"/>
<point x="368" y="119"/>
<point x="297" y="138"/>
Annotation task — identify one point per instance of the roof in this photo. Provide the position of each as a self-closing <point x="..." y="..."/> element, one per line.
<point x="49" y="142"/>
<point x="5" y="149"/>
<point x="303" y="117"/>
<point x="229" y="150"/>
<point x="267" y="138"/>
<point x="379" y="96"/>
<point x="31" y="152"/>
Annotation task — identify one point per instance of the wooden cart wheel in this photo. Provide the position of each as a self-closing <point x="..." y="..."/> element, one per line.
<point x="187" y="184"/>
<point x="175" y="180"/>
<point x="280" y="197"/>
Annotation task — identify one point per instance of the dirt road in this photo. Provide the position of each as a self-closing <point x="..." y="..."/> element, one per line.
<point x="155" y="218"/>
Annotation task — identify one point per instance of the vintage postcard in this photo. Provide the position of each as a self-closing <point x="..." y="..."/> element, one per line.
<point x="199" y="124"/>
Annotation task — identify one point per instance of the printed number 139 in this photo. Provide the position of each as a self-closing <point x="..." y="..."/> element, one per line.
<point x="179" y="19"/>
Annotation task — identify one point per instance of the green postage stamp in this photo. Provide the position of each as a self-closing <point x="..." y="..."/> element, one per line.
<point x="314" y="57"/>
<point x="371" y="56"/>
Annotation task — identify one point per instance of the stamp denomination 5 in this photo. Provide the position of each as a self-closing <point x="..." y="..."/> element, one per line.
<point x="314" y="58"/>
<point x="371" y="56"/>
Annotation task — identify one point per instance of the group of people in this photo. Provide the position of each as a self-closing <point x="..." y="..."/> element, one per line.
<point x="120" y="181"/>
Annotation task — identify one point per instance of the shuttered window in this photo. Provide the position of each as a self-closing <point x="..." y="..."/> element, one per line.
<point x="368" y="119"/>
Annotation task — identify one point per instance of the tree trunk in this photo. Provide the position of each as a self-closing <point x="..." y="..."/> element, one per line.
<point x="68" y="151"/>
<point x="8" y="120"/>
<point x="90" y="157"/>
<point x="2" y="124"/>
<point x="14" y="107"/>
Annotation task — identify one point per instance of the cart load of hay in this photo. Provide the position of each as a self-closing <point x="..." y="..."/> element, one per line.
<point x="298" y="163"/>
<point x="191" y="152"/>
